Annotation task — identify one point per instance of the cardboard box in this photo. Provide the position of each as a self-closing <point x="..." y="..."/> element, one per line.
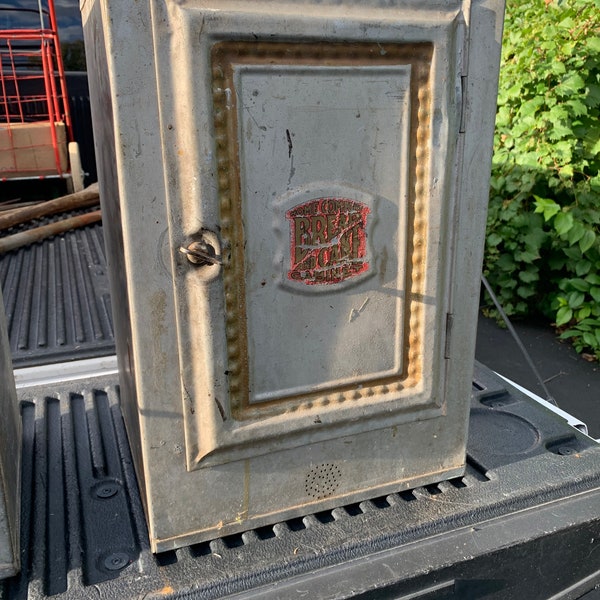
<point x="26" y="149"/>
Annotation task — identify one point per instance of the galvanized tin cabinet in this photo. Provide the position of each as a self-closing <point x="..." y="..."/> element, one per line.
<point x="294" y="199"/>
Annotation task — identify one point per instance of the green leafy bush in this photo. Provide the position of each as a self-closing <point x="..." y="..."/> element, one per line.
<point x="543" y="242"/>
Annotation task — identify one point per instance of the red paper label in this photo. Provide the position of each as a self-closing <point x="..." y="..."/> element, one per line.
<point x="328" y="240"/>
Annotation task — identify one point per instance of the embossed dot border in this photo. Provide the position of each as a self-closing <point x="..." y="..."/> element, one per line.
<point x="224" y="56"/>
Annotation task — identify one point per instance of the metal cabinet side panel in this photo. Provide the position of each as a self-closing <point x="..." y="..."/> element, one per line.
<point x="480" y="87"/>
<point x="131" y="173"/>
<point x="101" y="99"/>
<point x="10" y="459"/>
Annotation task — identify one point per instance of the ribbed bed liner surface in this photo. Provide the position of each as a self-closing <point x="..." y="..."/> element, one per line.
<point x="57" y="299"/>
<point x="496" y="533"/>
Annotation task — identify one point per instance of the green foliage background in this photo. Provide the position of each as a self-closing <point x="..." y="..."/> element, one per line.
<point x="543" y="240"/>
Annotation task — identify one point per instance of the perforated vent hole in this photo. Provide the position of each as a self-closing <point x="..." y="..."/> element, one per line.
<point x="322" y="480"/>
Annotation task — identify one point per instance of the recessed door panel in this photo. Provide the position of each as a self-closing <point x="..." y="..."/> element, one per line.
<point x="323" y="217"/>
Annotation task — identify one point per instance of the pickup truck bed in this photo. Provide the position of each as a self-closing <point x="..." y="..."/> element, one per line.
<point x="524" y="521"/>
<point x="57" y="299"/>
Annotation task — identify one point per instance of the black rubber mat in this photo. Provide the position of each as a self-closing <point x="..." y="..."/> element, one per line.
<point x="522" y="523"/>
<point x="57" y="299"/>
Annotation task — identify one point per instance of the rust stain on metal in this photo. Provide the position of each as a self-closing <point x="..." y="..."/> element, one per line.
<point x="229" y="53"/>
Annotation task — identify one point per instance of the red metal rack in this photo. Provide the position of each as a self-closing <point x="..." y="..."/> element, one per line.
<point x="36" y="135"/>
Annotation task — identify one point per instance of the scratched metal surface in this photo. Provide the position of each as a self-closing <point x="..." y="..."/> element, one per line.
<point x="57" y="299"/>
<point x="532" y="486"/>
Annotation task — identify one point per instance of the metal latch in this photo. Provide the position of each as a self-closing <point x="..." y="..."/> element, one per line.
<point x="201" y="253"/>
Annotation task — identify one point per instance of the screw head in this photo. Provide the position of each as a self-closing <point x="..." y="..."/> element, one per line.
<point x="565" y="450"/>
<point x="116" y="561"/>
<point x="107" y="489"/>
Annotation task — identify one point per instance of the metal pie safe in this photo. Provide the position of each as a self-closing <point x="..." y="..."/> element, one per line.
<point x="294" y="198"/>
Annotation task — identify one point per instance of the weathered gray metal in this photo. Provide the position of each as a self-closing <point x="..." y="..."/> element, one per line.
<point x="332" y="159"/>
<point x="10" y="459"/>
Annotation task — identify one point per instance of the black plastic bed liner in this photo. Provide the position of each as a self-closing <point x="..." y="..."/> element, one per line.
<point x="524" y="521"/>
<point x="57" y="298"/>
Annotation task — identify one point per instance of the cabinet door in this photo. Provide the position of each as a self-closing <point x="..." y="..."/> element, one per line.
<point x="324" y="190"/>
